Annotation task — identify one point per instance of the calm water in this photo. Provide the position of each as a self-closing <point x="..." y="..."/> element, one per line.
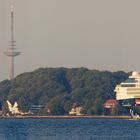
<point x="69" y="129"/>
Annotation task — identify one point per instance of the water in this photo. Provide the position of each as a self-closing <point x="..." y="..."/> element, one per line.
<point x="69" y="129"/>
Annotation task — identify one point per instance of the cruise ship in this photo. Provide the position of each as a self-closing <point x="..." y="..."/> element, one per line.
<point x="128" y="94"/>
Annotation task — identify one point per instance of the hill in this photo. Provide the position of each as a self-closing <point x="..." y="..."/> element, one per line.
<point x="57" y="89"/>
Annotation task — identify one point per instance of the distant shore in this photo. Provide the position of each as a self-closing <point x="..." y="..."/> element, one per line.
<point x="82" y="117"/>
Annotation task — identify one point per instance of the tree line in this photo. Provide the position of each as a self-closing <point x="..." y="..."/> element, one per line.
<point x="57" y="89"/>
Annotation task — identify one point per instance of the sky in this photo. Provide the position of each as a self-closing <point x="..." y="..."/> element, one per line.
<point x="97" y="34"/>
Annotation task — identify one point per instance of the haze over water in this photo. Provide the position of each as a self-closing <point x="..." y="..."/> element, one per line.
<point x="69" y="129"/>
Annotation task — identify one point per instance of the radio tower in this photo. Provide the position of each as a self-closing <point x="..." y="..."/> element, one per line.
<point x="12" y="51"/>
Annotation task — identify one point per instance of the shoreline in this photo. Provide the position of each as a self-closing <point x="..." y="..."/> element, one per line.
<point x="72" y="117"/>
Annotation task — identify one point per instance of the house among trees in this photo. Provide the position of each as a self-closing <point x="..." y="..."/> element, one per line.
<point x="111" y="107"/>
<point x="35" y="109"/>
<point x="75" y="110"/>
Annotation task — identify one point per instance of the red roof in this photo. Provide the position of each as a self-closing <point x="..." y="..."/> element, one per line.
<point x="111" y="103"/>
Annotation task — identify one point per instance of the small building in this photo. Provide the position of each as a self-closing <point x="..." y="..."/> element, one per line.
<point x="111" y="107"/>
<point x="36" y="108"/>
<point x="76" y="111"/>
<point x="111" y="103"/>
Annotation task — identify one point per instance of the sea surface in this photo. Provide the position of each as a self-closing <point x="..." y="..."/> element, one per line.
<point x="69" y="129"/>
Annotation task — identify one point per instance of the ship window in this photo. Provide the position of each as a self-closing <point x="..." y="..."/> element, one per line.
<point x="130" y="80"/>
<point x="128" y="85"/>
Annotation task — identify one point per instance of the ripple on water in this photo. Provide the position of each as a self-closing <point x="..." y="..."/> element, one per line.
<point x="69" y="129"/>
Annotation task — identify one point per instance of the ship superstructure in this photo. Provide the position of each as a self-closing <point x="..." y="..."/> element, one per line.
<point x="128" y="94"/>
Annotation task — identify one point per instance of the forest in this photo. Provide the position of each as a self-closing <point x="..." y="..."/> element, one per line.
<point x="57" y="89"/>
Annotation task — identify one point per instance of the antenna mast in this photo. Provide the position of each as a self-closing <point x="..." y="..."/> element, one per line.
<point x="11" y="51"/>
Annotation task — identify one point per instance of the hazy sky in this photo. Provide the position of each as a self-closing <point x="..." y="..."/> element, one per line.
<point x="97" y="34"/>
